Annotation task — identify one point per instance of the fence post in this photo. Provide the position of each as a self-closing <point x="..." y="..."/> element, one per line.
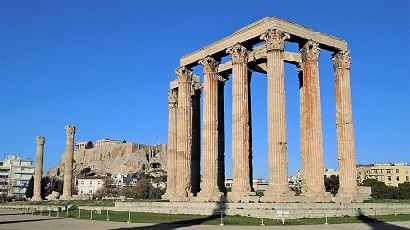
<point x="108" y="219"/>
<point x="129" y="217"/>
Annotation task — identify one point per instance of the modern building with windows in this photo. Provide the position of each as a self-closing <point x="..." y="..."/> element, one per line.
<point x="15" y="174"/>
<point x="391" y="174"/>
<point x="89" y="184"/>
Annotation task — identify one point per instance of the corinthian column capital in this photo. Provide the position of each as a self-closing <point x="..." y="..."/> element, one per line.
<point x="341" y="60"/>
<point x="210" y="64"/>
<point x="70" y="130"/>
<point x="40" y="140"/>
<point x="239" y="54"/>
<point x="184" y="74"/>
<point x="275" y="39"/>
<point x="172" y="96"/>
<point x="310" y="51"/>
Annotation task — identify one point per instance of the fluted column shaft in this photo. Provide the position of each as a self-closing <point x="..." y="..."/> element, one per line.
<point x="68" y="166"/>
<point x="312" y="152"/>
<point x="210" y="127"/>
<point x="221" y="134"/>
<point x="344" y="126"/>
<point x="241" y="126"/>
<point x="172" y="142"/>
<point x="184" y="132"/>
<point x="39" y="169"/>
<point x="277" y="134"/>
<point x="196" y="138"/>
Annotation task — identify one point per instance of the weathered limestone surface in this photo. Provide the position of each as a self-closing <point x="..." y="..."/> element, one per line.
<point x="172" y="143"/>
<point x="344" y="125"/>
<point x="246" y="57"/>
<point x="124" y="158"/>
<point x="184" y="135"/>
<point x="68" y="165"/>
<point x="277" y="134"/>
<point x="39" y="169"/>
<point x="312" y="151"/>
<point x="210" y="189"/>
<point x="241" y="124"/>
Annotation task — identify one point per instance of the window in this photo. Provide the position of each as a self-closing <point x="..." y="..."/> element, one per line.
<point x="397" y="171"/>
<point x="388" y="171"/>
<point x="397" y="178"/>
<point x="99" y="182"/>
<point x="82" y="182"/>
<point x="90" y="191"/>
<point x="407" y="171"/>
<point x="407" y="178"/>
<point x="91" y="182"/>
<point x="389" y="178"/>
<point x="375" y="171"/>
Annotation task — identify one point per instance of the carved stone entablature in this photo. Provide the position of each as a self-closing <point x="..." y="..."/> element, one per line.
<point x="275" y="39"/>
<point x="210" y="65"/>
<point x="172" y="96"/>
<point x="239" y="54"/>
<point x="310" y="51"/>
<point x="184" y="74"/>
<point x="70" y="130"/>
<point x="40" y="140"/>
<point x="196" y="88"/>
<point x="341" y="60"/>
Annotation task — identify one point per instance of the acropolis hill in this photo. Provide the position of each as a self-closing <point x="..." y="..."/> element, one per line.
<point x="110" y="156"/>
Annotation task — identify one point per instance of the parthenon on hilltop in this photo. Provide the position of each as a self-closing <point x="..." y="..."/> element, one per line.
<point x="184" y="133"/>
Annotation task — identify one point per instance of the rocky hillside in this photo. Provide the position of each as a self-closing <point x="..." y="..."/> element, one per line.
<point x="114" y="159"/>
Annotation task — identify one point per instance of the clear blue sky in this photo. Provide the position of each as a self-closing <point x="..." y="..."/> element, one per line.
<point x="105" y="66"/>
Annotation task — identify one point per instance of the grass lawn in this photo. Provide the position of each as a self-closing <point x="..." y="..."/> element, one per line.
<point x="194" y="219"/>
<point x="139" y="217"/>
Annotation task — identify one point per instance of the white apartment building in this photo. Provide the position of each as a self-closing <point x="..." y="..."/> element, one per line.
<point x="89" y="184"/>
<point x="15" y="174"/>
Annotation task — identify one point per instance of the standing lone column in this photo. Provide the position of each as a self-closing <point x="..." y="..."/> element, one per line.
<point x="278" y="188"/>
<point x="184" y="135"/>
<point x="172" y="142"/>
<point x="39" y="169"/>
<point x="68" y="166"/>
<point x="344" y="124"/>
<point x="241" y="125"/>
<point x="312" y="152"/>
<point x="210" y="145"/>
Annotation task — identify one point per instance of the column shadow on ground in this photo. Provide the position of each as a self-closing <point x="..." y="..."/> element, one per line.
<point x="221" y="206"/>
<point x="376" y="224"/>
<point x="26" y="220"/>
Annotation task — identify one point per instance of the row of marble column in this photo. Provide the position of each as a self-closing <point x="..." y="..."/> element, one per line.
<point x="182" y="129"/>
<point x="68" y="165"/>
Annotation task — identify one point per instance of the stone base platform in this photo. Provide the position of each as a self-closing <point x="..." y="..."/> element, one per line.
<point x="265" y="210"/>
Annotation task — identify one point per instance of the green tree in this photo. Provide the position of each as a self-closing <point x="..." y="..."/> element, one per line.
<point x="89" y="145"/>
<point x="30" y="188"/>
<point x="108" y="188"/>
<point x="142" y="189"/>
<point x="85" y="171"/>
<point x="381" y="190"/>
<point x="404" y="190"/>
<point x="332" y="184"/>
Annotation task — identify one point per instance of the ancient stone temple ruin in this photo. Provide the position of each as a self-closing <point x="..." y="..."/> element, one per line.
<point x="184" y="131"/>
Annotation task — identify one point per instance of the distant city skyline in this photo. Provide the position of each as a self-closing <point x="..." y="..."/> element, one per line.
<point x="105" y="66"/>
